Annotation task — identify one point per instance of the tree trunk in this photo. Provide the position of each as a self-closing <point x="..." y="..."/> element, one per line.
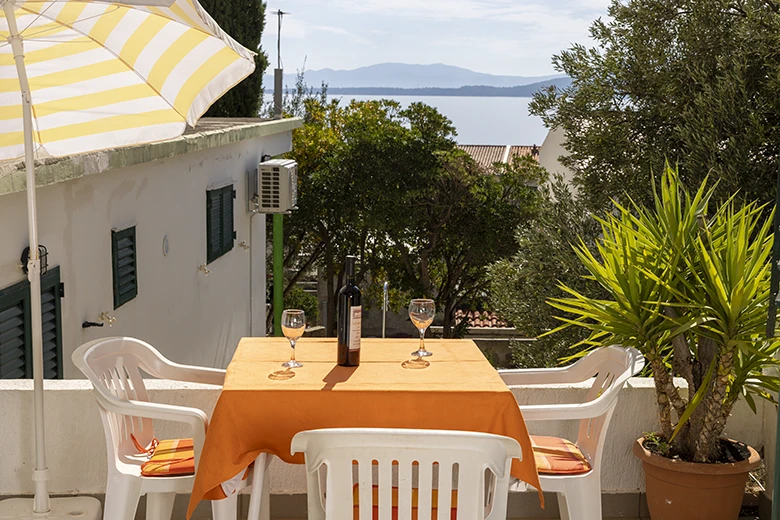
<point x="338" y="282"/>
<point x="707" y="350"/>
<point x="708" y="446"/>
<point x="331" y="314"/>
<point x="449" y="318"/>
<point x="664" y="403"/>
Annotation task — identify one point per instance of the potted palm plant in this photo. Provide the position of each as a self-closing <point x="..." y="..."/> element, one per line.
<point x="689" y="289"/>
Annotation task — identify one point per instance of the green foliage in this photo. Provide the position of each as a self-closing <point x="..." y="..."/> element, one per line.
<point x="388" y="184"/>
<point x="244" y="20"/>
<point x="297" y="298"/>
<point x="691" y="293"/>
<point x="294" y="100"/>
<point x="657" y="444"/>
<point x="694" y="81"/>
<point x="458" y="219"/>
<point x="520" y="286"/>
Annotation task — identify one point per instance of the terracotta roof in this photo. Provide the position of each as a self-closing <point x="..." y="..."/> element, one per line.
<point x="487" y="154"/>
<point x="517" y="151"/>
<point x="484" y="154"/>
<point x="482" y="319"/>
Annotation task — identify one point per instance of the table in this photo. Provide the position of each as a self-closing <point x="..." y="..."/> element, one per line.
<point x="254" y="414"/>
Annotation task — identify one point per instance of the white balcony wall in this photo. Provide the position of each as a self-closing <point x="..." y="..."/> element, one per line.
<point x="76" y="447"/>
<point x="190" y="317"/>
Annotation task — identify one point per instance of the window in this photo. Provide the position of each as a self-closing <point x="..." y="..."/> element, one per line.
<point x="219" y="222"/>
<point x="123" y="260"/>
<point x="16" y="333"/>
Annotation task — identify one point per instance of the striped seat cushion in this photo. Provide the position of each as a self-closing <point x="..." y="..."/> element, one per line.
<point x="375" y="512"/>
<point x="170" y="458"/>
<point x="558" y="456"/>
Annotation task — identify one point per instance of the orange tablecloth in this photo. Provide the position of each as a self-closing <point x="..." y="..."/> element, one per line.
<point x="459" y="391"/>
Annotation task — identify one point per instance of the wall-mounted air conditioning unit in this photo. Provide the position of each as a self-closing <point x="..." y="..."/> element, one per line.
<point x="273" y="187"/>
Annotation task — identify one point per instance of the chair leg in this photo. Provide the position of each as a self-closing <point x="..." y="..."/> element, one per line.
<point x="226" y="509"/>
<point x="259" y="506"/>
<point x="564" y="511"/>
<point x="122" y="495"/>
<point x="265" y="505"/>
<point x="159" y="506"/>
<point x="583" y="498"/>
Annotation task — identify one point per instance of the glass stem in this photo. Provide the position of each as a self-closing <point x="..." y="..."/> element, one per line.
<point x="422" y="340"/>
<point x="292" y="346"/>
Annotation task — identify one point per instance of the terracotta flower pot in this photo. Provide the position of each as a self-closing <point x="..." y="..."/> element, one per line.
<point x="678" y="490"/>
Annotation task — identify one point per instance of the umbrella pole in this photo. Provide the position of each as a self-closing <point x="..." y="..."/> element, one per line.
<point x="41" y="472"/>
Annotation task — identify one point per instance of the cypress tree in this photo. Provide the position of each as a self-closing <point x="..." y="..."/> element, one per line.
<point x="244" y="20"/>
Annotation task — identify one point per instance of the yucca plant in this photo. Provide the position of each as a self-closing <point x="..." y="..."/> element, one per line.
<point x="691" y="292"/>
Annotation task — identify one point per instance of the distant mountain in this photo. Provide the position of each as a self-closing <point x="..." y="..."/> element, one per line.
<point x="402" y="75"/>
<point x="469" y="90"/>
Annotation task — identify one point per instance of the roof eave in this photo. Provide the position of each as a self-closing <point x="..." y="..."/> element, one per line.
<point x="54" y="170"/>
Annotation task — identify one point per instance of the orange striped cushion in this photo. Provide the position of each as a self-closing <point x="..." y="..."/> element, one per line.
<point x="434" y="503"/>
<point x="171" y="457"/>
<point x="558" y="456"/>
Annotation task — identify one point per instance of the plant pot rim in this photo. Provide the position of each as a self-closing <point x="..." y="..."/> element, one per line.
<point x="726" y="468"/>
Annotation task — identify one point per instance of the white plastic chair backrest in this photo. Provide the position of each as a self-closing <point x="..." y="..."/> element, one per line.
<point x="612" y="367"/>
<point x="113" y="366"/>
<point x="460" y="456"/>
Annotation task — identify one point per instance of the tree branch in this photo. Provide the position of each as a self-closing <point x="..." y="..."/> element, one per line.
<point x="682" y="363"/>
<point x="771" y="4"/>
<point x="316" y="254"/>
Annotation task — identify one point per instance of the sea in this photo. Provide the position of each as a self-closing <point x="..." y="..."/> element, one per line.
<point x="479" y="120"/>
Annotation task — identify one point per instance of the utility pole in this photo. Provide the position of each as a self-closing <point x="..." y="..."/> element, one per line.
<point x="278" y="218"/>
<point x="278" y="71"/>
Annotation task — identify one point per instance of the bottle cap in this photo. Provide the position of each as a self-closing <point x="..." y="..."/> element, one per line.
<point x="350" y="265"/>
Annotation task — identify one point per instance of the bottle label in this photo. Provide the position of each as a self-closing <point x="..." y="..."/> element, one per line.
<point x="355" y="315"/>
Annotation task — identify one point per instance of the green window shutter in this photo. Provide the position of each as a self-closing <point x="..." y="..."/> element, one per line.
<point x="213" y="225"/>
<point x="219" y="222"/>
<point x="51" y="312"/>
<point x="124" y="266"/>
<point x="227" y="219"/>
<point x="15" y="334"/>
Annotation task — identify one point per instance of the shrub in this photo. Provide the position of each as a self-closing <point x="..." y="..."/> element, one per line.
<point x="297" y="298"/>
<point x="519" y="287"/>
<point x="689" y="290"/>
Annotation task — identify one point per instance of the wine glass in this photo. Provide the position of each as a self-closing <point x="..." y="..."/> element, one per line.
<point x="421" y="312"/>
<point x="293" y="325"/>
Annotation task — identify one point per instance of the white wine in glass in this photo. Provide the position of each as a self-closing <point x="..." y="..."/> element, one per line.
<point x="293" y="325"/>
<point x="421" y="312"/>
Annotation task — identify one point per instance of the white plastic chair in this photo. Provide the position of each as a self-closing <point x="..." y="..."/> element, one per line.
<point x="113" y="366"/>
<point x="482" y="474"/>
<point x="579" y="495"/>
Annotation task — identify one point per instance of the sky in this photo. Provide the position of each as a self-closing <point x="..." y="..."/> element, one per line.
<point x="506" y="37"/>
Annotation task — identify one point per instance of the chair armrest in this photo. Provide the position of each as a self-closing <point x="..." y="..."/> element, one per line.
<point x="191" y="374"/>
<point x="541" y="376"/>
<point x="565" y="412"/>
<point x="195" y="417"/>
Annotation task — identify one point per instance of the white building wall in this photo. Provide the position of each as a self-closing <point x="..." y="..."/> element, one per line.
<point x="190" y="317"/>
<point x="551" y="150"/>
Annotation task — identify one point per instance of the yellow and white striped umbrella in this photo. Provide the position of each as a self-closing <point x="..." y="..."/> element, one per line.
<point x="78" y="76"/>
<point x="104" y="75"/>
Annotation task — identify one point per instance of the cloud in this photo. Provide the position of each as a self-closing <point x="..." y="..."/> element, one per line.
<point x="343" y="32"/>
<point x="300" y="29"/>
<point x="504" y="10"/>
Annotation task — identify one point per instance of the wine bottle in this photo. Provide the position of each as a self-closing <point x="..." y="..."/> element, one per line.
<point x="350" y="316"/>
